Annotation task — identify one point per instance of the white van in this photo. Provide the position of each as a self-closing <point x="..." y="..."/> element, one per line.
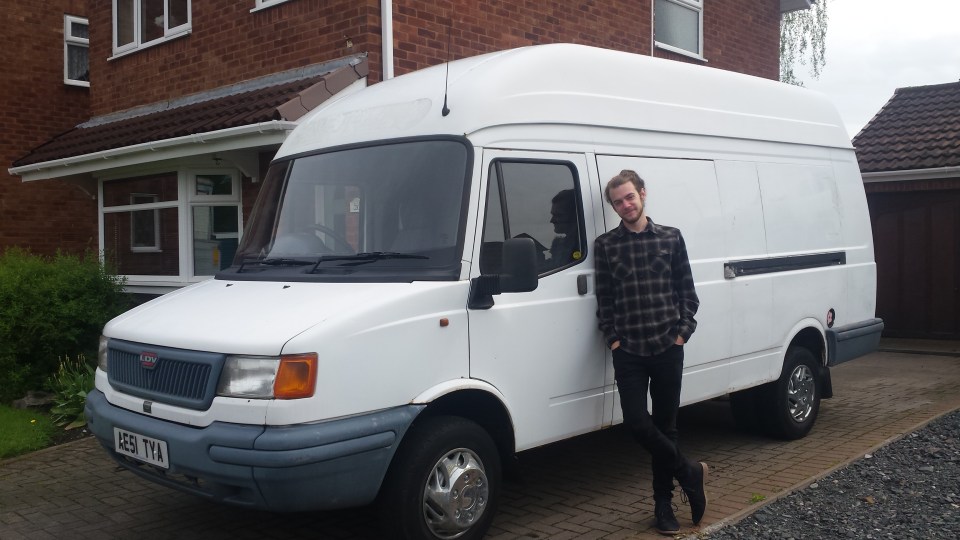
<point x="412" y="302"/>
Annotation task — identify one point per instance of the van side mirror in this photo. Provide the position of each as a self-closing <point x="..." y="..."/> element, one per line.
<point x="518" y="273"/>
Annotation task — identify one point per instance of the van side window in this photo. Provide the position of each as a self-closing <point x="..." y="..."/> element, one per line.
<point x="538" y="200"/>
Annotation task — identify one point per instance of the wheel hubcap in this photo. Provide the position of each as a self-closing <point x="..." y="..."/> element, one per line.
<point x="801" y="391"/>
<point x="455" y="495"/>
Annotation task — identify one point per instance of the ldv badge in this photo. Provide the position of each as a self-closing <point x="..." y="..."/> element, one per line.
<point x="148" y="360"/>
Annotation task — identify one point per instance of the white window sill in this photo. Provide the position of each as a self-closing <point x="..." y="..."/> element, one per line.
<point x="267" y="6"/>
<point x="71" y="82"/>
<point x="171" y="37"/>
<point x="680" y="51"/>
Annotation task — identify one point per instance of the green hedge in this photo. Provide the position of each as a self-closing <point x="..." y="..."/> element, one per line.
<point x="51" y="307"/>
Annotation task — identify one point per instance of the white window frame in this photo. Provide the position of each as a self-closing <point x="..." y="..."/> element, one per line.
<point x="187" y="198"/>
<point x="196" y="199"/>
<point x="264" y="4"/>
<point x="137" y="43"/>
<point x="144" y="207"/>
<point x="692" y="5"/>
<point x="69" y="40"/>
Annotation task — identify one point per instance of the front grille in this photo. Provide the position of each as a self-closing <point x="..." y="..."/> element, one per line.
<point x="176" y="376"/>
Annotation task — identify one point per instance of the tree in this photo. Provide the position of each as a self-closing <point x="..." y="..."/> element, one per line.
<point x="803" y="39"/>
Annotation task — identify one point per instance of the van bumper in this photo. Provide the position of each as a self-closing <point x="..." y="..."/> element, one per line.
<point x="322" y="466"/>
<point x="853" y="340"/>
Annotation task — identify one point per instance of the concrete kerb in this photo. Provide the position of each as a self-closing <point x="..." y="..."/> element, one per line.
<point x="750" y="510"/>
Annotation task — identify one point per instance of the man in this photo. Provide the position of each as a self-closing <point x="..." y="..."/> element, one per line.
<point x="565" y="246"/>
<point x="646" y="303"/>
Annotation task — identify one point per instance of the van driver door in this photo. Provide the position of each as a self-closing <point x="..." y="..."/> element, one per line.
<point x="541" y="349"/>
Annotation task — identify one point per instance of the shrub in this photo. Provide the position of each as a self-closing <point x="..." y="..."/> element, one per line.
<point x="50" y="307"/>
<point x="70" y="385"/>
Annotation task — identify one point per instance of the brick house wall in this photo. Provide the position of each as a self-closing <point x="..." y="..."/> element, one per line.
<point x="738" y="35"/>
<point x="36" y="105"/>
<point x="228" y="44"/>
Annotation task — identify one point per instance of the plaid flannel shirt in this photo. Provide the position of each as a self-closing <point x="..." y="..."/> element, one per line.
<point x="645" y="292"/>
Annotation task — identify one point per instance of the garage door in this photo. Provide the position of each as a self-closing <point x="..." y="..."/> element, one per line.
<point x="917" y="243"/>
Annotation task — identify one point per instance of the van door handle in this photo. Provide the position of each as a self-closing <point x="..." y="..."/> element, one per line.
<point x="582" y="284"/>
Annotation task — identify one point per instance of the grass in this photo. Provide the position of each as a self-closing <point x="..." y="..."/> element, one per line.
<point x="24" y="431"/>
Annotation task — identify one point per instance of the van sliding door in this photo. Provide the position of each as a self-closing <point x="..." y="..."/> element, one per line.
<point x="683" y="193"/>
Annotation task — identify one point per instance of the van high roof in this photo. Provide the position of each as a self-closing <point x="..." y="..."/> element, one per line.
<point x="573" y="85"/>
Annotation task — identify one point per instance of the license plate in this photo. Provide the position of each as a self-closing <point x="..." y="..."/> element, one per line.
<point x="140" y="447"/>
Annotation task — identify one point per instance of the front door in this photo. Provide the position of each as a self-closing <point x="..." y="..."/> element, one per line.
<point x="541" y="349"/>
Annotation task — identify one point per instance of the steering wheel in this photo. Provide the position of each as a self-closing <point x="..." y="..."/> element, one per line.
<point x="337" y="239"/>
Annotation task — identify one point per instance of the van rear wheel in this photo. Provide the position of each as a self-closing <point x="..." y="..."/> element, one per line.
<point x="444" y="482"/>
<point x="792" y="402"/>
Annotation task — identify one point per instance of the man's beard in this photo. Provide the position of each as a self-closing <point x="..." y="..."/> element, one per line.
<point x="635" y="219"/>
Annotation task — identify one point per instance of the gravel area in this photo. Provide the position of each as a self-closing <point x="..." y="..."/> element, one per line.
<point x="907" y="489"/>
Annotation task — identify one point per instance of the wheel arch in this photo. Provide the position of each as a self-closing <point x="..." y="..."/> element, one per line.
<point x="482" y="407"/>
<point x="812" y="337"/>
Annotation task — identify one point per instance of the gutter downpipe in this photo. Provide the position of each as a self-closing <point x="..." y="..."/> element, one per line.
<point x="386" y="37"/>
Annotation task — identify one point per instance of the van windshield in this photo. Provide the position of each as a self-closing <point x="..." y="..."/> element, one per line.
<point x="391" y="211"/>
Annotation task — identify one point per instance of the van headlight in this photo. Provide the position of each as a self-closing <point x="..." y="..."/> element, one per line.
<point x="291" y="376"/>
<point x="102" y="353"/>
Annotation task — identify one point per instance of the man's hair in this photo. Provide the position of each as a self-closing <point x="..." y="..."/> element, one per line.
<point x="566" y="196"/>
<point x="625" y="176"/>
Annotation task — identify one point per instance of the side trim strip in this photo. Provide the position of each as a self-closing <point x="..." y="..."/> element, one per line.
<point x="752" y="267"/>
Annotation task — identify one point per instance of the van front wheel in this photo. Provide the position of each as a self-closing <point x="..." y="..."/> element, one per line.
<point x="444" y="483"/>
<point x="793" y="401"/>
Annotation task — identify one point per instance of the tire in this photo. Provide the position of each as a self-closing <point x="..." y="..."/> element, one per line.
<point x="444" y="482"/>
<point x="791" y="403"/>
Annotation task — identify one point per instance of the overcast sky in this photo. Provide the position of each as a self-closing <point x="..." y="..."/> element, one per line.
<point x="877" y="46"/>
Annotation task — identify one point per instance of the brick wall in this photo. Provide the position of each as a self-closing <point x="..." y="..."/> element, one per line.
<point x="742" y="36"/>
<point x="739" y="35"/>
<point x="227" y="44"/>
<point x="35" y="105"/>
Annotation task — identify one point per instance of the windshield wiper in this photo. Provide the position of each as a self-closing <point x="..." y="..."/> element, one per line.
<point x="364" y="258"/>
<point x="284" y="261"/>
<point x="272" y="261"/>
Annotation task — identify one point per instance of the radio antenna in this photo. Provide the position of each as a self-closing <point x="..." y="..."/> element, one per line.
<point x="446" y="80"/>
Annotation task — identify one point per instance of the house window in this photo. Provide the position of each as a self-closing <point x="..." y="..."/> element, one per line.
<point x="141" y="23"/>
<point x="678" y="26"/>
<point x="141" y="224"/>
<point x="172" y="227"/>
<point x="215" y="215"/>
<point x="76" y="51"/>
<point x="262" y="4"/>
<point x="144" y="224"/>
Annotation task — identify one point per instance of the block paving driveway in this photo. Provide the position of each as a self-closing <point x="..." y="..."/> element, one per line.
<point x="594" y="486"/>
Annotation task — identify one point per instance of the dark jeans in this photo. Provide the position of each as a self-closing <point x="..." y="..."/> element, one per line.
<point x="661" y="374"/>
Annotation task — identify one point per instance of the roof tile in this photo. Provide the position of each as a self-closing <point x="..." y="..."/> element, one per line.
<point x="918" y="128"/>
<point x="280" y="101"/>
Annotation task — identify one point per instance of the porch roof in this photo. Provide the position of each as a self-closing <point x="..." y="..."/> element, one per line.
<point x="273" y="103"/>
